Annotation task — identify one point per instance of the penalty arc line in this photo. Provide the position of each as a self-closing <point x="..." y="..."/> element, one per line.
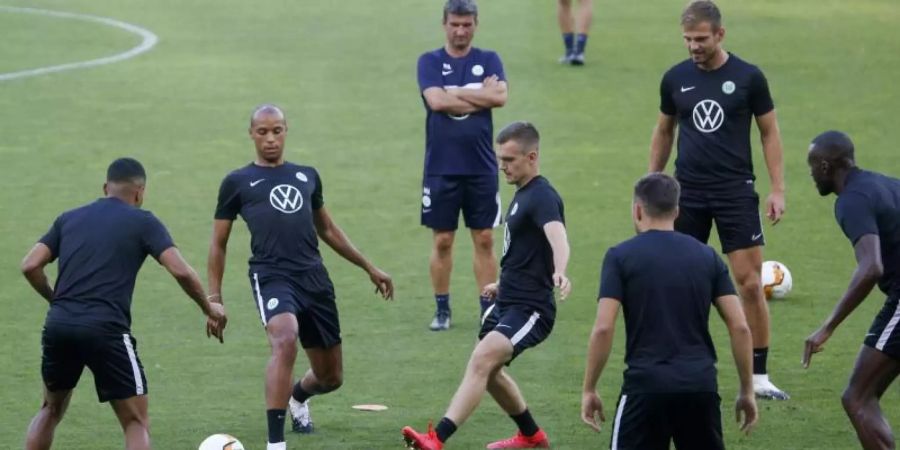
<point x="148" y="41"/>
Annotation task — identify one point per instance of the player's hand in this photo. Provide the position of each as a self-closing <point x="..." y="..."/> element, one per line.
<point x="815" y="343"/>
<point x="592" y="410"/>
<point x="562" y="282"/>
<point x="490" y="82"/>
<point x="490" y="291"/>
<point x="216" y="319"/>
<point x="746" y="406"/>
<point x="383" y="283"/>
<point x="775" y="206"/>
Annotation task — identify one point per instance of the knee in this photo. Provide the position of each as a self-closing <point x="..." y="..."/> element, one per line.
<point x="851" y="402"/>
<point x="484" y="241"/>
<point x="443" y="243"/>
<point x="749" y="284"/>
<point x="284" y="347"/>
<point x="484" y="363"/>
<point x="54" y="410"/>
<point x="331" y="382"/>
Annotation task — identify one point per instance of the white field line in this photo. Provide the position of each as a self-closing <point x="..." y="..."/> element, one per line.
<point x="148" y="41"/>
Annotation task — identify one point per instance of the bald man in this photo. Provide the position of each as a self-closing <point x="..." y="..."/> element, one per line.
<point x="868" y="211"/>
<point x="283" y="206"/>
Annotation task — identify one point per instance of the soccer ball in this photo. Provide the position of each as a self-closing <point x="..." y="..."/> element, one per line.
<point x="221" y="442"/>
<point x="776" y="280"/>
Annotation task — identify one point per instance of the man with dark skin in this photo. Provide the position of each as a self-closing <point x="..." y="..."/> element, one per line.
<point x="284" y="208"/>
<point x="100" y="247"/>
<point x="868" y="211"/>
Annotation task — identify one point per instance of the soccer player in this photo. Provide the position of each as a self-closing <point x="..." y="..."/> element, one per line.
<point x="665" y="282"/>
<point x="712" y="97"/>
<point x="284" y="208"/>
<point x="460" y="84"/>
<point x="868" y="211"/>
<point x="535" y="256"/>
<point x="101" y="247"/>
<point x="574" y="30"/>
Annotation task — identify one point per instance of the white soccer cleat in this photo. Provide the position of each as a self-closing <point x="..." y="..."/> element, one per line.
<point x="278" y="446"/>
<point x="301" y="422"/>
<point x="764" y="389"/>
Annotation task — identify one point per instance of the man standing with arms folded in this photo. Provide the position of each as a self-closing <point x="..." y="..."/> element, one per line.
<point x="460" y="84"/>
<point x="712" y="97"/>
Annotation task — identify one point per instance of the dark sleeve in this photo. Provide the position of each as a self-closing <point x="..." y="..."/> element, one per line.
<point x="495" y="67"/>
<point x="429" y="73"/>
<point x="52" y="237"/>
<point x="229" y="204"/>
<point x="855" y="215"/>
<point x="318" y="198"/>
<point x="722" y="284"/>
<point x="612" y="283"/>
<point x="666" y="103"/>
<point x="155" y="238"/>
<point x="546" y="207"/>
<point x="760" y="98"/>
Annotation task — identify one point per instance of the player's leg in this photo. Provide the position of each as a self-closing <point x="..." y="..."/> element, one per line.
<point x="43" y="425"/>
<point x="481" y="212"/>
<point x="640" y="422"/>
<point x="506" y="393"/>
<point x="441" y="202"/>
<point x="325" y="374"/>
<point x="281" y="330"/>
<point x="583" y="25"/>
<point x="694" y="217"/>
<point x="567" y="28"/>
<point x="135" y="421"/>
<point x="873" y="373"/>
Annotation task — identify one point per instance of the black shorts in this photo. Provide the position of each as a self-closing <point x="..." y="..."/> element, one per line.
<point x="443" y="196"/>
<point x="736" y="216"/>
<point x="884" y="334"/>
<point x="651" y="421"/>
<point x="524" y="325"/>
<point x="111" y="357"/>
<point x="308" y="295"/>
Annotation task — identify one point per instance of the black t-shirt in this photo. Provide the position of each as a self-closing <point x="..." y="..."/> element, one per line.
<point x="714" y="110"/>
<point x="526" y="269"/>
<point x="277" y="204"/>
<point x="666" y="282"/>
<point x="870" y="204"/>
<point x="100" y="247"/>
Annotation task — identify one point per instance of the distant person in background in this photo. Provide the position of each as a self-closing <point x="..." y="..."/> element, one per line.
<point x="101" y="247"/>
<point x="574" y="28"/>
<point x="460" y="85"/>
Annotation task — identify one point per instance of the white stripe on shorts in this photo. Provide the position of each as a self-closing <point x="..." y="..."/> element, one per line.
<point x="886" y="334"/>
<point x="499" y="213"/>
<point x="487" y="312"/>
<point x="618" y="423"/>
<point x="138" y="382"/>
<point x="525" y="328"/>
<point x="259" y="299"/>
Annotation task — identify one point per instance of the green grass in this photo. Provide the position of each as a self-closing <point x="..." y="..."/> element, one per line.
<point x="345" y="73"/>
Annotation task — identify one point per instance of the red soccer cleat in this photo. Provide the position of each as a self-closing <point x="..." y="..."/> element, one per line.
<point x="422" y="441"/>
<point x="539" y="440"/>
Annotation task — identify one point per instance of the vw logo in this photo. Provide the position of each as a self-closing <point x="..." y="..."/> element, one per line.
<point x="286" y="198"/>
<point x="708" y="116"/>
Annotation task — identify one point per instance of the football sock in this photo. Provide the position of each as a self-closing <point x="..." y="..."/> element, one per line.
<point x="443" y="301"/>
<point x="580" y="43"/>
<point x="299" y="394"/>
<point x="276" y="425"/>
<point x="569" y="41"/>
<point x="760" y="355"/>
<point x="525" y="423"/>
<point x="485" y="303"/>
<point x="445" y="429"/>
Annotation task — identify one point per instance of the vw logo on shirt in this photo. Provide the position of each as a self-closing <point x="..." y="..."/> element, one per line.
<point x="708" y="116"/>
<point x="286" y="198"/>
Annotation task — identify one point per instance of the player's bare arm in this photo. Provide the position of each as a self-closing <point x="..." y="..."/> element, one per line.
<point x="190" y="283"/>
<point x="661" y="142"/>
<point x="492" y="94"/>
<point x="869" y="269"/>
<point x="774" y="156"/>
<point x="33" y="269"/>
<point x="335" y="237"/>
<point x="732" y="313"/>
<point x="440" y="100"/>
<point x="599" y="348"/>
<point x="559" y="242"/>
<point x="215" y="262"/>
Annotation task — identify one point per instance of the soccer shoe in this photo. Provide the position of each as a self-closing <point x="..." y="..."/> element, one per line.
<point x="301" y="422"/>
<point x="764" y="389"/>
<point x="566" y="59"/>
<point x="421" y="441"/>
<point x="539" y="440"/>
<point x="278" y="446"/>
<point x="577" y="59"/>
<point x="441" y="320"/>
